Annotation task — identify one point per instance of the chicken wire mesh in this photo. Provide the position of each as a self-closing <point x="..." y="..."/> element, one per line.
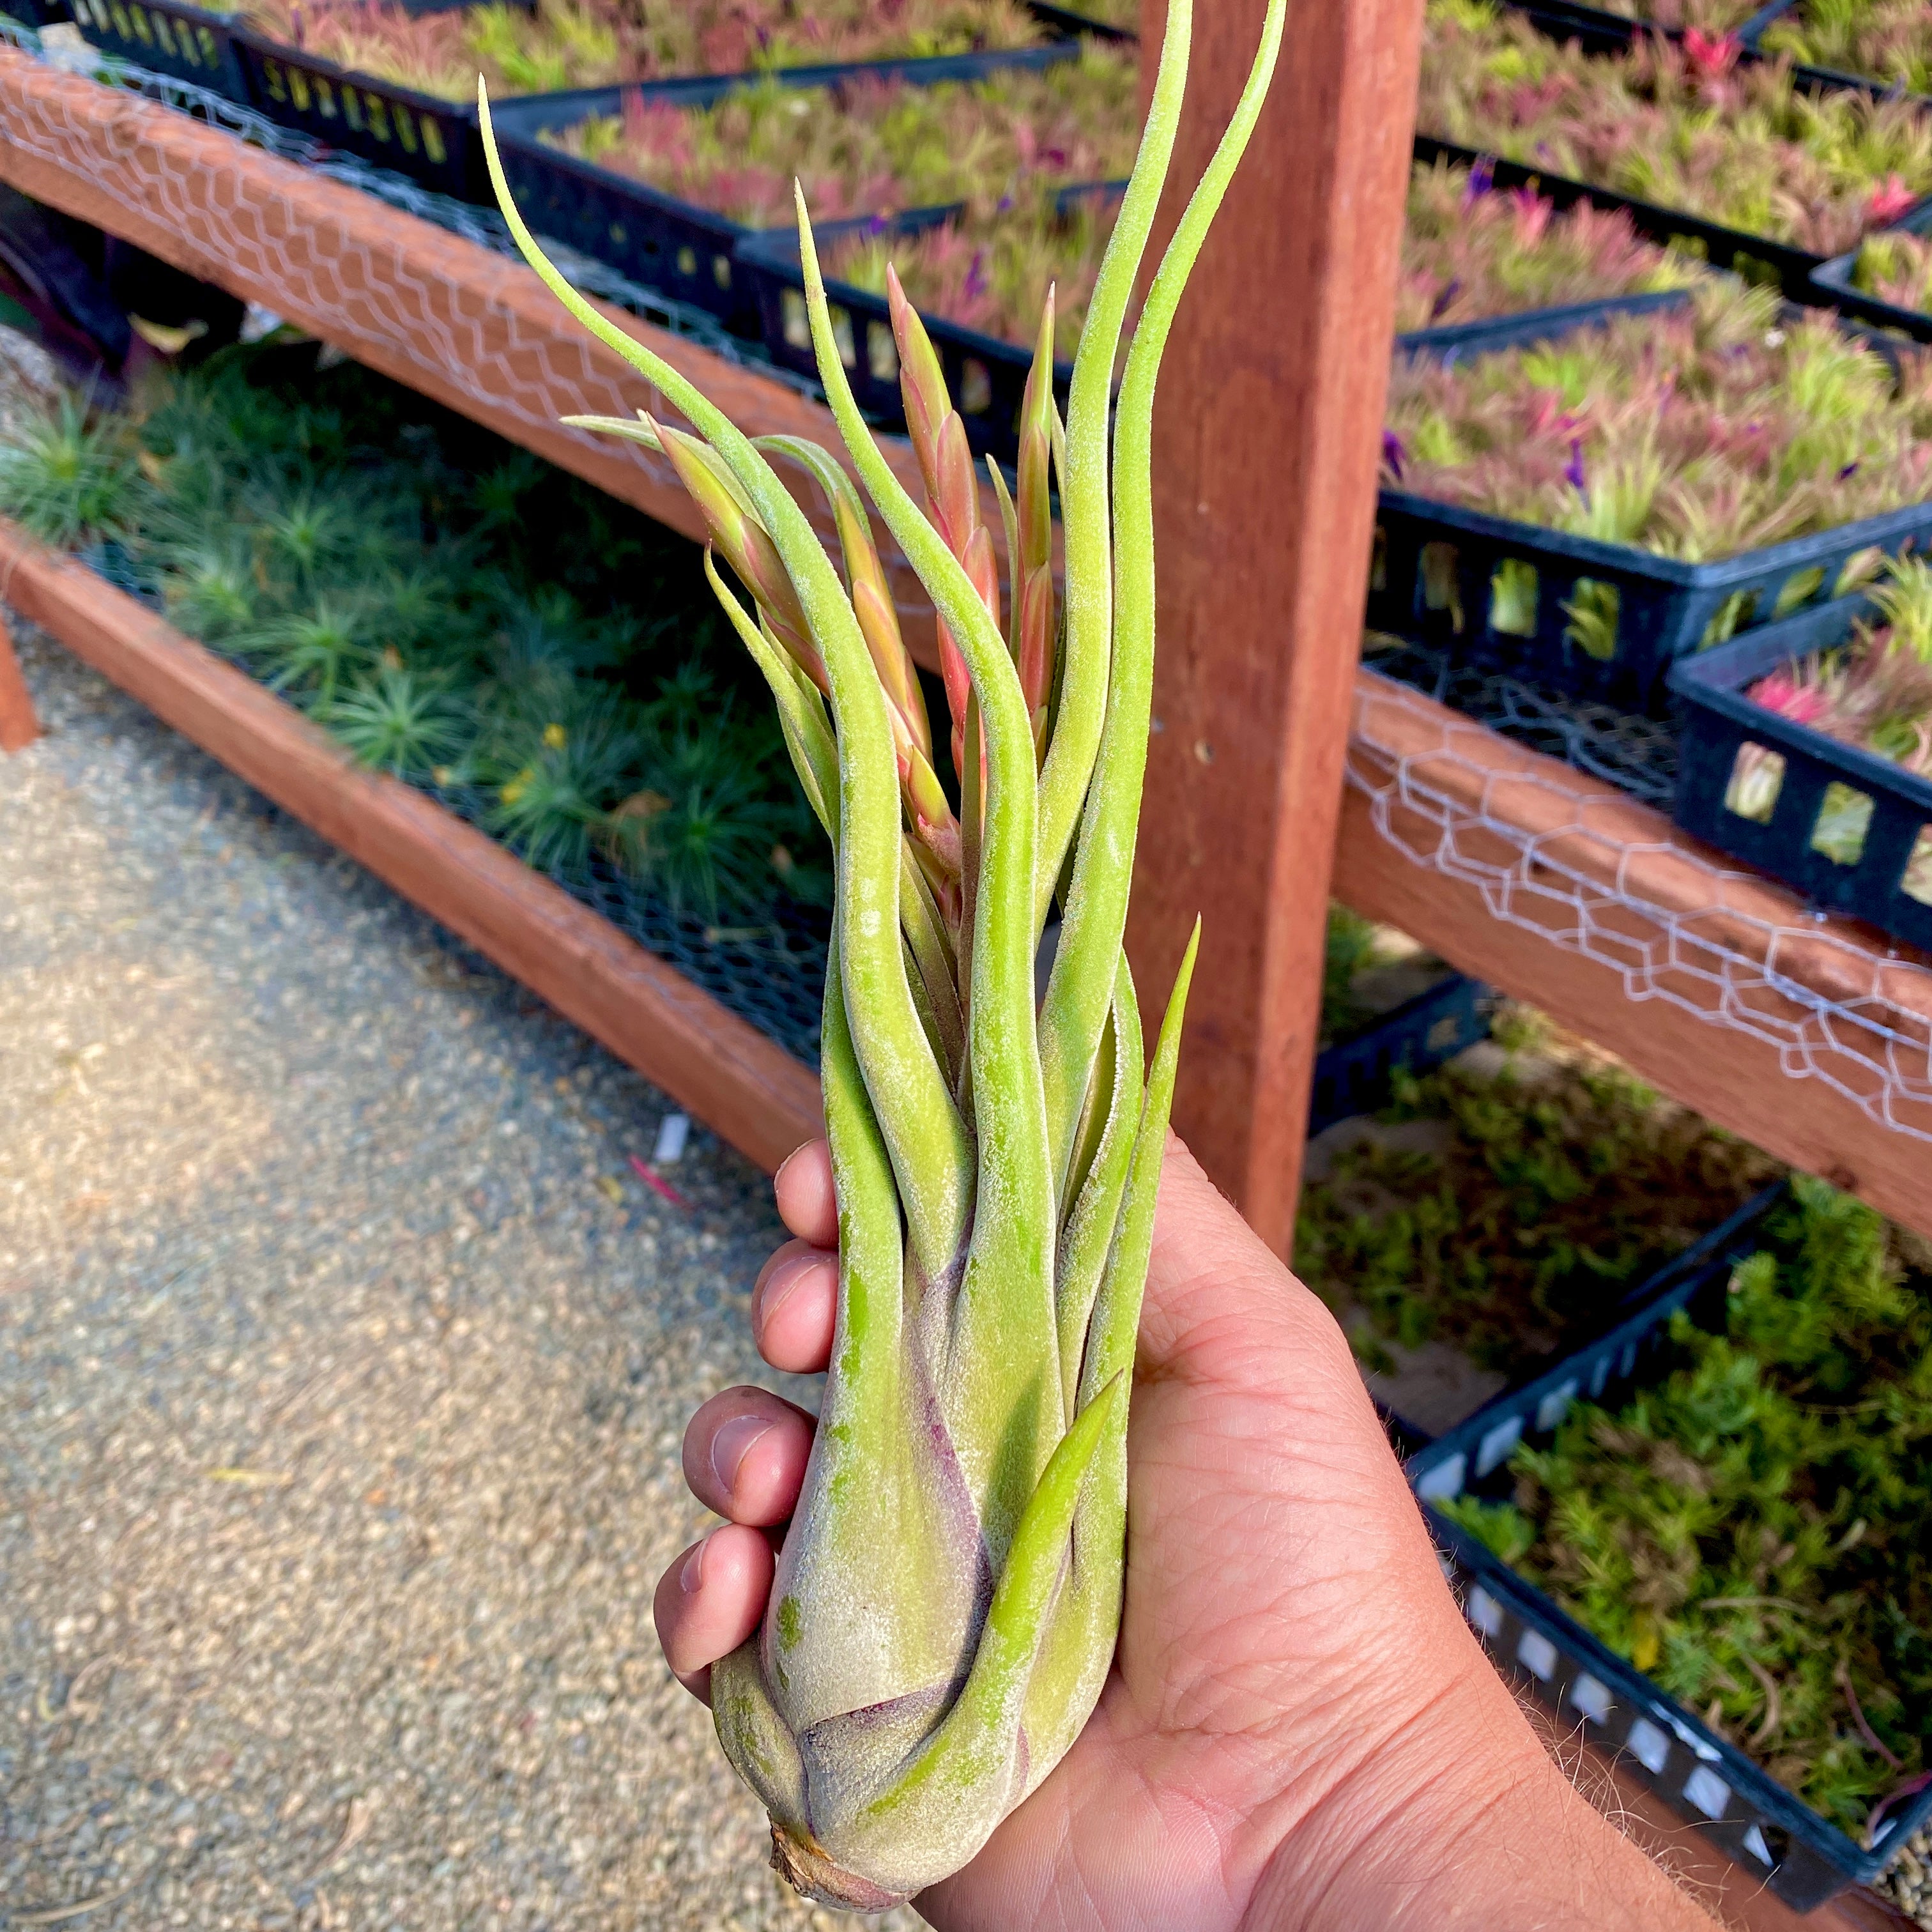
<point x="1833" y="1009"/>
<point x="1573" y="867"/>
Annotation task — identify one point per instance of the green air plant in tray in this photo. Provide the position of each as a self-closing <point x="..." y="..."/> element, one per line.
<point x="1470" y="251"/>
<point x="455" y="613"/>
<point x="1686" y="127"/>
<point x="928" y="1656"/>
<point x="1876" y="693"/>
<point x="1698" y="434"/>
<point x="559" y="44"/>
<point x="1504" y="1204"/>
<point x="1752" y="1527"/>
<point x="865" y="144"/>
<point x="1886" y="40"/>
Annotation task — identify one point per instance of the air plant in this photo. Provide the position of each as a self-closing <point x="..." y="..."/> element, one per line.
<point x="1470" y="251"/>
<point x="1547" y="1188"/>
<point x="1687" y="127"/>
<point x="1751" y="1528"/>
<point x="867" y="144"/>
<point x="1895" y="266"/>
<point x="69" y="476"/>
<point x="565" y="43"/>
<point x="929" y="1652"/>
<point x="1874" y="692"/>
<point x="398" y="721"/>
<point x="990" y="269"/>
<point x="1889" y="40"/>
<point x="1698" y="434"/>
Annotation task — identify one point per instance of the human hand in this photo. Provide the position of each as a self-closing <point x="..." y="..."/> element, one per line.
<point x="1299" y="1730"/>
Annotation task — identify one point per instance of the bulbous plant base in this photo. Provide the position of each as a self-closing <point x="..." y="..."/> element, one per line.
<point x="808" y="1867"/>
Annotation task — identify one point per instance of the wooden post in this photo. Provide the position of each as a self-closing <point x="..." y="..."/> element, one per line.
<point x="18" y="726"/>
<point x="1265" y="455"/>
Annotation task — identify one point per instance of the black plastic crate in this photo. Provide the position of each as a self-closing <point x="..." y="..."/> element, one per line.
<point x="1357" y="1075"/>
<point x="171" y="37"/>
<point x="1768" y="1831"/>
<point x="1832" y="283"/>
<point x="1757" y="258"/>
<point x="1434" y="577"/>
<point x="1721" y="725"/>
<point x="676" y="247"/>
<point x="986" y="377"/>
<point x="429" y="140"/>
<point x="1449" y="341"/>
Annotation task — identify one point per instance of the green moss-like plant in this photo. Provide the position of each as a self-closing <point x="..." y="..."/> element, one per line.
<point x="1753" y="1528"/>
<point x="456" y="614"/>
<point x="1545" y="1191"/>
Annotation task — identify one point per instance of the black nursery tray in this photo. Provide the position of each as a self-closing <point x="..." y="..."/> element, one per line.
<point x="1357" y="1075"/>
<point x="1435" y="567"/>
<point x="430" y="139"/>
<point x="1768" y="1830"/>
<point x="1832" y="283"/>
<point x="170" y="37"/>
<point x="676" y="247"/>
<point x="985" y="376"/>
<point x="1757" y="258"/>
<point x="1721" y="725"/>
<point x="1821" y="79"/>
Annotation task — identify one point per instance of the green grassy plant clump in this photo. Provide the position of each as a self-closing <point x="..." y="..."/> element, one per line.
<point x="1897" y="267"/>
<point x="869" y="146"/>
<point x="1356" y="950"/>
<point x="1549" y="1189"/>
<point x="1686" y="126"/>
<point x="566" y="43"/>
<point x="1470" y="251"/>
<point x="989" y="269"/>
<point x="1876" y="693"/>
<point x="1754" y="1529"/>
<point x="1696" y="435"/>
<point x="1889" y="40"/>
<point x="456" y="613"/>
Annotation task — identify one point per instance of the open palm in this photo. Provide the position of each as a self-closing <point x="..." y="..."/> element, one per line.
<point x="1298" y="1728"/>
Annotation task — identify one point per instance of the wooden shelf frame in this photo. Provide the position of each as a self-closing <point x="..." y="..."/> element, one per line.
<point x="1257" y="679"/>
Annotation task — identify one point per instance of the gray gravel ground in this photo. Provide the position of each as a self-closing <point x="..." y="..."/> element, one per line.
<point x="343" y="1366"/>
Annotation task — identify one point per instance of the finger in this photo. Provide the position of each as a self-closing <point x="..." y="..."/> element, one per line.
<point x="793" y="1307"/>
<point x="744" y="1453"/>
<point x="710" y="1600"/>
<point x="806" y="1203"/>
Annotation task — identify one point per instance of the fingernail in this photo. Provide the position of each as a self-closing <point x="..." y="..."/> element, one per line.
<point x="692" y="1574"/>
<point x="775" y="1290"/>
<point x="780" y="1175"/>
<point x="731" y="1445"/>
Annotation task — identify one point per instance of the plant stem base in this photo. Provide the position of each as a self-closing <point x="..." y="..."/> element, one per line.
<point x="808" y="1867"/>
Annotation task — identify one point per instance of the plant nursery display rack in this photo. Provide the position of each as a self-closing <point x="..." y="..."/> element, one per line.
<point x="1280" y="769"/>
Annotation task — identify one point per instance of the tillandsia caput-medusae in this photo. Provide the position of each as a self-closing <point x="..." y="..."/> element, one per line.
<point x="948" y="1597"/>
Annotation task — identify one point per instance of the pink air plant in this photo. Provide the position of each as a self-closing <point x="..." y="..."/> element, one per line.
<point x="1783" y="693"/>
<point x="1890" y="199"/>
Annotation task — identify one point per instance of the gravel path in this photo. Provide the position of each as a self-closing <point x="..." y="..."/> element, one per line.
<point x="342" y="1364"/>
